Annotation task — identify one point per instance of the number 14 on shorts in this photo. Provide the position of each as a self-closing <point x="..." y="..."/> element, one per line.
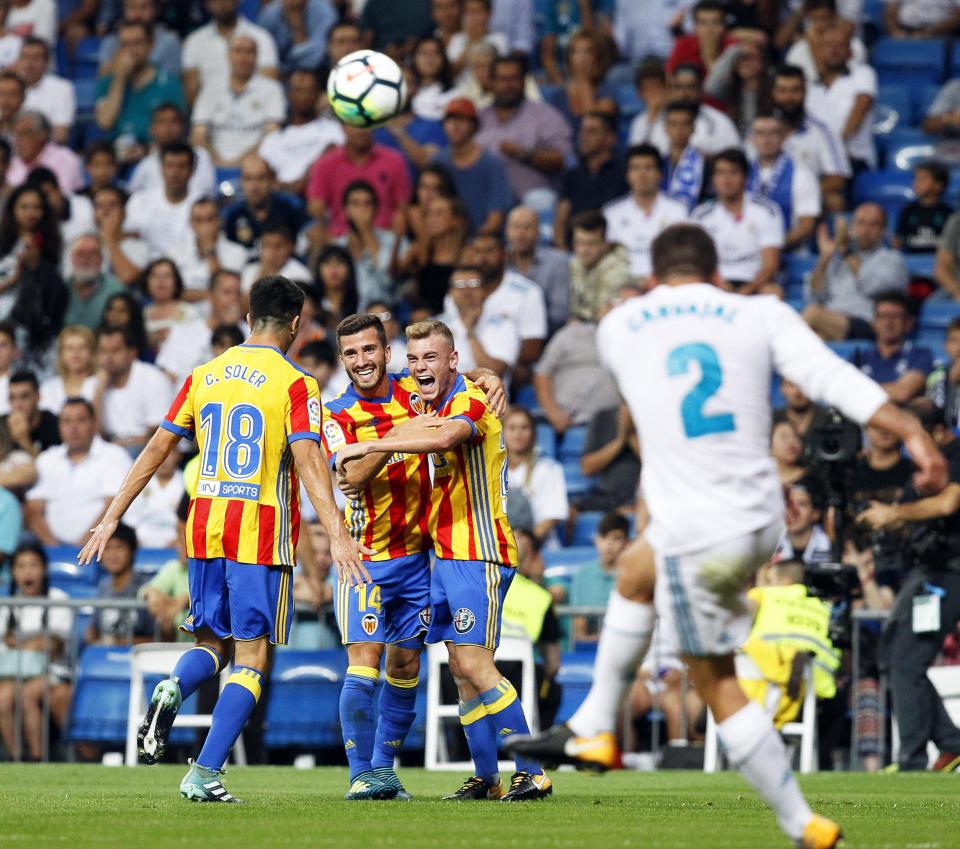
<point x="368" y="597"/>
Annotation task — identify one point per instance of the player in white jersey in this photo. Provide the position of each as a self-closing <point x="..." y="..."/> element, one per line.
<point x="700" y="403"/>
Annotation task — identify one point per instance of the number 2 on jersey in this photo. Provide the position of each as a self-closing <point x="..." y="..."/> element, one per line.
<point x="695" y="421"/>
<point x="241" y="454"/>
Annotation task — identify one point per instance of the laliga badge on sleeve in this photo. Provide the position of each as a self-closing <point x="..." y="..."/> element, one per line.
<point x="926" y="610"/>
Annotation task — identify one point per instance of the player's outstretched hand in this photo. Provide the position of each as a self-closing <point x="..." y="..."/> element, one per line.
<point x="932" y="474"/>
<point x="496" y="394"/>
<point x="348" y="453"/>
<point x="345" y="552"/>
<point x="101" y="534"/>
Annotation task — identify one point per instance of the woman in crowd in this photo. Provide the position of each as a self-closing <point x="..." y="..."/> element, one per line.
<point x="434" y="253"/>
<point x="337" y="279"/>
<point x="33" y="647"/>
<point x="476" y="80"/>
<point x="584" y="90"/>
<point x="124" y="310"/>
<point x="371" y="248"/>
<point x="76" y="367"/>
<point x="17" y="469"/>
<point x="433" y="79"/>
<point x="740" y="81"/>
<point x="32" y="292"/>
<point x="538" y="477"/>
<point x="787" y="449"/>
<point x="162" y="285"/>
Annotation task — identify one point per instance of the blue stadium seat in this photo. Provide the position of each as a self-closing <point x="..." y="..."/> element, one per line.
<point x="526" y="397"/>
<point x="577" y="482"/>
<point x="629" y="102"/>
<point x="228" y="182"/>
<point x="304" y="696"/>
<point x="936" y="315"/>
<point x="954" y="69"/>
<point x="546" y="440"/>
<point x="585" y="528"/>
<point x="798" y="267"/>
<point x="920" y="265"/>
<point x="873" y="12"/>
<point x="75" y="586"/>
<point x="893" y="108"/>
<point x="571" y="443"/>
<point x="934" y="341"/>
<point x="575" y="677"/>
<point x="250" y="8"/>
<point x="904" y="147"/>
<point x="149" y="560"/>
<point x="923" y="97"/>
<point x="776" y="395"/>
<point x="846" y="349"/>
<point x="67" y="574"/>
<point x="101" y="694"/>
<point x="86" y="96"/>
<point x="891" y="189"/>
<point x="911" y="61"/>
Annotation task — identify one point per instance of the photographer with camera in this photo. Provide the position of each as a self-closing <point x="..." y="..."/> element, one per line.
<point x="927" y="608"/>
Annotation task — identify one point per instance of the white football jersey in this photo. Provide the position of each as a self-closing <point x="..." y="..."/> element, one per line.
<point x="694" y="365"/>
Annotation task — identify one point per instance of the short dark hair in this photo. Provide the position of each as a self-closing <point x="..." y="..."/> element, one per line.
<point x="354" y="324"/>
<point x="126" y="23"/>
<point x="43" y="176"/>
<point x="813" y="488"/>
<point x="735" y="157"/>
<point x="608" y="120"/>
<point x="692" y="108"/>
<point x="168" y="106"/>
<point x="126" y="535"/>
<point x="178" y="148"/>
<point x="97" y="147"/>
<point x="792" y="71"/>
<point x="812" y="5"/>
<point x="25" y="376"/>
<point x="278" y="228"/>
<point x="644" y="150"/>
<point x="612" y="522"/>
<point x="511" y="59"/>
<point x="894" y="296"/>
<point x="937" y="170"/>
<point x="226" y="335"/>
<point x="115" y="190"/>
<point x="9" y="74"/>
<point x="709" y="6"/>
<point x="34" y="41"/>
<point x="275" y="300"/>
<point x="650" y="68"/>
<point x="591" y="220"/>
<point x="343" y="24"/>
<point x="360" y="186"/>
<point x="684" y="249"/>
<point x="79" y="400"/>
<point x="9" y="329"/>
<point x="319" y="349"/>
<point x="124" y="330"/>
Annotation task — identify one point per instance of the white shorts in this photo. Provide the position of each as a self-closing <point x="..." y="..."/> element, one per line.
<point x="701" y="595"/>
<point x="664" y="653"/>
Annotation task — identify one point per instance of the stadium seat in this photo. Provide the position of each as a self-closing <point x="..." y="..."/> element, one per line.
<point x="101" y="695"/>
<point x="577" y="482"/>
<point x="891" y="189"/>
<point x="546" y="440"/>
<point x="525" y="397"/>
<point x="923" y="97"/>
<point x="561" y="564"/>
<point x="846" y="349"/>
<point x="68" y="575"/>
<point x="149" y="560"/>
<point x="904" y="147"/>
<point x="798" y="267"/>
<point x="893" y="108"/>
<point x="585" y="528"/>
<point x="86" y="96"/>
<point x="228" y="182"/>
<point x="303" y="708"/>
<point x="933" y="341"/>
<point x="911" y="61"/>
<point x="919" y="265"/>
<point x="936" y="315"/>
<point x="571" y="443"/>
<point x="629" y="102"/>
<point x="575" y="677"/>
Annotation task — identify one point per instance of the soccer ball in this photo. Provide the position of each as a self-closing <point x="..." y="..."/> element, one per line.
<point x="366" y="88"/>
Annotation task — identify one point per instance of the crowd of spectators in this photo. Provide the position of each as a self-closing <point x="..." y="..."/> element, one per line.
<point x="543" y="148"/>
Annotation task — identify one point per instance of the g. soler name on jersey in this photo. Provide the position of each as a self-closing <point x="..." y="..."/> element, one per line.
<point x="706" y="309"/>
<point x="254" y="377"/>
<point x="336" y="440"/>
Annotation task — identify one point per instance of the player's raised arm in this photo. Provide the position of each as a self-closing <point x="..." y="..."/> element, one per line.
<point x="153" y="454"/>
<point x="800" y="356"/>
<point x="434" y="436"/>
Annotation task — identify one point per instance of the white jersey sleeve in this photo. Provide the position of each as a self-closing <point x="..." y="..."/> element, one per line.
<point x="801" y="357"/>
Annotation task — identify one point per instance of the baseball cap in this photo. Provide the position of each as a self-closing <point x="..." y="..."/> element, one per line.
<point x="461" y="107"/>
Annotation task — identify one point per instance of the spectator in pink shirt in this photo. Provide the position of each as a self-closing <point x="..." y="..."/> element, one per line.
<point x="360" y="158"/>
<point x="32" y="148"/>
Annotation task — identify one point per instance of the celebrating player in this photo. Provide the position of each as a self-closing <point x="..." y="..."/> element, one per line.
<point x="701" y="407"/>
<point x="475" y="548"/>
<point x="257" y="419"/>
<point x="387" y="512"/>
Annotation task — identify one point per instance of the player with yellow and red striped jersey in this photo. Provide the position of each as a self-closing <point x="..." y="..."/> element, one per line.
<point x="257" y="420"/>
<point x="475" y="548"/>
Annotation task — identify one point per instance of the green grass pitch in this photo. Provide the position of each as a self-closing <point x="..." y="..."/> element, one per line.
<point x="98" y="807"/>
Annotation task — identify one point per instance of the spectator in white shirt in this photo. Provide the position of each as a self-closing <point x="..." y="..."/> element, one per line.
<point x="189" y="342"/>
<point x="636" y="220"/>
<point x="789" y="184"/>
<point x="276" y="257"/>
<point x="476" y="30"/>
<point x="167" y="124"/>
<point x="162" y="215"/>
<point x="921" y="18"/>
<point x="76" y="481"/>
<point x="808" y="140"/>
<point x="713" y="131"/>
<point x="842" y="96"/>
<point x="291" y="149"/>
<point x="76" y="367"/>
<point x="136" y="395"/>
<point x="153" y="514"/>
<point x="231" y="116"/>
<point x="124" y="254"/>
<point x="538" y="477"/>
<point x="47" y="93"/>
<point x="32" y="17"/>
<point x="206" y="251"/>
<point x="205" y="50"/>
<point x="747" y="230"/>
<point x="818" y="17"/>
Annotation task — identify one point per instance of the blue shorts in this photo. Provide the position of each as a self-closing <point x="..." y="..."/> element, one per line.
<point x="240" y="600"/>
<point x="466" y="602"/>
<point x="394" y="608"/>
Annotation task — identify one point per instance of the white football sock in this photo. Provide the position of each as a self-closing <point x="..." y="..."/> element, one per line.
<point x="753" y="746"/>
<point x="624" y="640"/>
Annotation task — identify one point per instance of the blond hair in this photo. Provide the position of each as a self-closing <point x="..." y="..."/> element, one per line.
<point x="82" y="332"/>
<point x="430" y="327"/>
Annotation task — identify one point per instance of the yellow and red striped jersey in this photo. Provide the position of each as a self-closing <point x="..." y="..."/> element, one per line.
<point x="390" y="514"/>
<point x="246" y="407"/>
<point x="468" y="503"/>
